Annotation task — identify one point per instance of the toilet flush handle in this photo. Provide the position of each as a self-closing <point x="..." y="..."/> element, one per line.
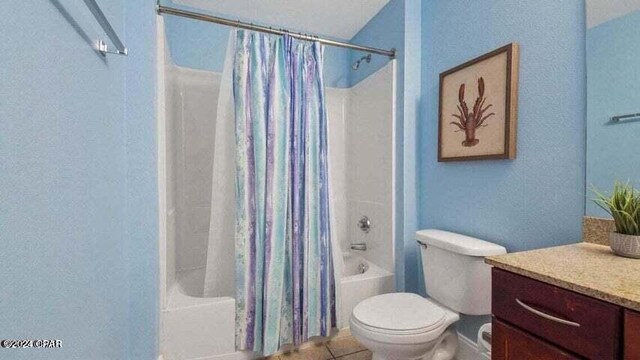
<point x="422" y="243"/>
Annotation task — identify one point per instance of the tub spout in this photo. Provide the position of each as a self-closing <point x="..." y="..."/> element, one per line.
<point x="359" y="246"/>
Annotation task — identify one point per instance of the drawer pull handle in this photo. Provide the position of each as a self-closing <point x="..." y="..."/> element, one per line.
<point x="547" y="316"/>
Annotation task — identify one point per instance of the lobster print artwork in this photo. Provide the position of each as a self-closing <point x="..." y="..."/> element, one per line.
<point x="478" y="108"/>
<point x="469" y="122"/>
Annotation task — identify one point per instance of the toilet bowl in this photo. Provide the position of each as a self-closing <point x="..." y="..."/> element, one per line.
<point x="405" y="326"/>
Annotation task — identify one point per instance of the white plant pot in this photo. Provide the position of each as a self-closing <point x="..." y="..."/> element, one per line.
<point x="625" y="245"/>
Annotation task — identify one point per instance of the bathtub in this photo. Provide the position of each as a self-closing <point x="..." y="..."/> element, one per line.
<point x="203" y="328"/>
<point x="197" y="327"/>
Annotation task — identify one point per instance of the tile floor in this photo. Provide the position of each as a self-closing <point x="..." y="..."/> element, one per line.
<point x="341" y="347"/>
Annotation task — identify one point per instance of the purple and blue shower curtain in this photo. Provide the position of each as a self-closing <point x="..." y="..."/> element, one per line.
<point x="285" y="287"/>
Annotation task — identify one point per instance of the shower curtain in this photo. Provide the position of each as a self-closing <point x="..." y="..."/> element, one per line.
<point x="285" y="285"/>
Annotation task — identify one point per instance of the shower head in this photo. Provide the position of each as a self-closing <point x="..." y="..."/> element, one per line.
<point x="356" y="64"/>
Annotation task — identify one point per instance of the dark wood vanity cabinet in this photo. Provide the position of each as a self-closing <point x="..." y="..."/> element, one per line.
<point x="631" y="335"/>
<point x="513" y="344"/>
<point x="533" y="320"/>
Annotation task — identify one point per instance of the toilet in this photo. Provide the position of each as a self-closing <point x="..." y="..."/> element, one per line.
<point x="401" y="326"/>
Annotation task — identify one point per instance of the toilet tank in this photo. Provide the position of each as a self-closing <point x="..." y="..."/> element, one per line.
<point x="455" y="274"/>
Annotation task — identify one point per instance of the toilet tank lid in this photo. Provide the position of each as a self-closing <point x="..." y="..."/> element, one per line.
<point x="459" y="244"/>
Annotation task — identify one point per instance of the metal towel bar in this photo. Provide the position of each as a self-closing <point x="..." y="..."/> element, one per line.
<point x="619" y="118"/>
<point x="102" y="46"/>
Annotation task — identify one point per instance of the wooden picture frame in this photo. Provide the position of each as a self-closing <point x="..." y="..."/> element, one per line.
<point x="487" y="129"/>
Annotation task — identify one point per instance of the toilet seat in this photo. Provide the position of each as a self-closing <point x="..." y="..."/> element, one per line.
<point x="401" y="318"/>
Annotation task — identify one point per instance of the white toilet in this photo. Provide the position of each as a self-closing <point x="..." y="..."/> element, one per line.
<point x="402" y="326"/>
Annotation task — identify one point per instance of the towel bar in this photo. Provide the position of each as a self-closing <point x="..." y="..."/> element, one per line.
<point x="102" y="46"/>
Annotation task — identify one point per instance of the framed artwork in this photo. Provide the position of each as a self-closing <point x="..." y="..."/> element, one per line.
<point x="479" y="107"/>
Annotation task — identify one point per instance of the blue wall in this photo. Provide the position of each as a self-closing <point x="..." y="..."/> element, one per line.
<point x="411" y="98"/>
<point x="613" y="88"/>
<point x="385" y="31"/>
<point x="196" y="44"/>
<point x="397" y="25"/>
<point x="74" y="152"/>
<point x="536" y="200"/>
<point x="141" y="245"/>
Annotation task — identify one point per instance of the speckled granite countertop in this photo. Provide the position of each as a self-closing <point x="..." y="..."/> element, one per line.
<point x="588" y="269"/>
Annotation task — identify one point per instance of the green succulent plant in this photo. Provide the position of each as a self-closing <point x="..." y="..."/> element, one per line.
<point x="623" y="205"/>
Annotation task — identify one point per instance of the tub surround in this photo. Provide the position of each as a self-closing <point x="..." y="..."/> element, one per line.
<point x="586" y="268"/>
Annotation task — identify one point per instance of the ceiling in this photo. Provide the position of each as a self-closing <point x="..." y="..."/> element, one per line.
<point x="334" y="18"/>
<point x="601" y="11"/>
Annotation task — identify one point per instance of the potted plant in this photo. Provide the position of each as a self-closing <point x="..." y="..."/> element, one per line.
<point x="624" y="206"/>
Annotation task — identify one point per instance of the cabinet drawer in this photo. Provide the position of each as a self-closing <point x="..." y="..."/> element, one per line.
<point x="509" y="343"/>
<point x="585" y="326"/>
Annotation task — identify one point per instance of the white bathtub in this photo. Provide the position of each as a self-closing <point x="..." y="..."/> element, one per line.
<point x="358" y="285"/>
<point x="195" y="327"/>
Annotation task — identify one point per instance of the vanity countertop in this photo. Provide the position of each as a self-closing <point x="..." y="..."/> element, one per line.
<point x="585" y="268"/>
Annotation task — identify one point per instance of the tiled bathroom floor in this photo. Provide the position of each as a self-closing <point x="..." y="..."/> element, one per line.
<point x="341" y="347"/>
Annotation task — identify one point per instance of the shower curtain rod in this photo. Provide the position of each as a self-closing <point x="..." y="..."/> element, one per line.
<point x="249" y="26"/>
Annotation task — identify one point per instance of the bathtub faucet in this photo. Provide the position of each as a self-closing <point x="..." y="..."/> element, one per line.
<point x="359" y="246"/>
